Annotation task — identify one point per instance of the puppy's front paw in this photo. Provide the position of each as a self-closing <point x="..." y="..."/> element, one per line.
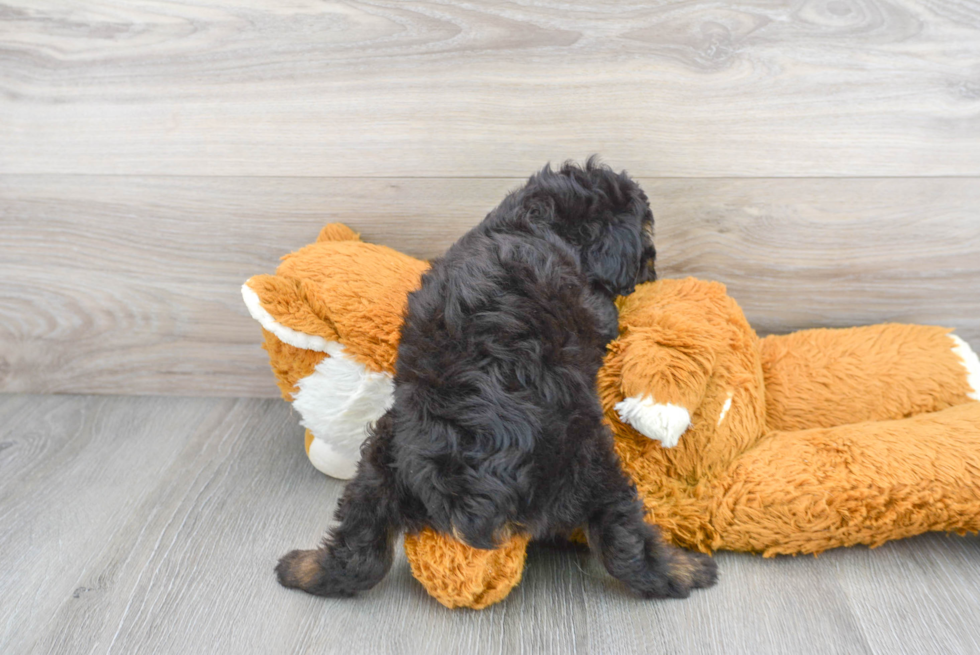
<point x="663" y="422"/>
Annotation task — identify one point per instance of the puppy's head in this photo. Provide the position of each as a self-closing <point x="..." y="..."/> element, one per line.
<point x="604" y="215"/>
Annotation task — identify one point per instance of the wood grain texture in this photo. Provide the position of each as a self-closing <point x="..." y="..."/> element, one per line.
<point x="74" y="472"/>
<point x="151" y="525"/>
<point x="385" y="88"/>
<point x="131" y="284"/>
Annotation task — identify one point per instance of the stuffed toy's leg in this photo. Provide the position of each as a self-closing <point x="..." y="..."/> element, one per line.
<point x="824" y="378"/>
<point x="671" y="333"/>
<point x="867" y="483"/>
<point x="458" y="575"/>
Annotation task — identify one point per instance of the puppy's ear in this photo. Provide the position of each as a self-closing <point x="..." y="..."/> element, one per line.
<point x="613" y="259"/>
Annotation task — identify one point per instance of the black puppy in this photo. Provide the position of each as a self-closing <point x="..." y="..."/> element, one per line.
<point x="496" y="427"/>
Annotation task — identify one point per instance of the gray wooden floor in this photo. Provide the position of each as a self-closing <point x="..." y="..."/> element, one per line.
<point x="151" y="525"/>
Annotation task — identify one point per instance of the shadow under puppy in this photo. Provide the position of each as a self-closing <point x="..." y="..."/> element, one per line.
<point x="496" y="427"/>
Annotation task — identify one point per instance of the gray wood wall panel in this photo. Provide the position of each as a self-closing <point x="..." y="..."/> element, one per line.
<point x="151" y="525"/>
<point x="385" y="88"/>
<point x="822" y="158"/>
<point x="129" y="284"/>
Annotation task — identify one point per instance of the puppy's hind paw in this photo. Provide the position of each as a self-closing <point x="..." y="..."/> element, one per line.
<point x="303" y="569"/>
<point x="676" y="575"/>
<point x="690" y="570"/>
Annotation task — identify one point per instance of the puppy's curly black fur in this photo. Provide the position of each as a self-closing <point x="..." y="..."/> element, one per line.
<point x="496" y="427"/>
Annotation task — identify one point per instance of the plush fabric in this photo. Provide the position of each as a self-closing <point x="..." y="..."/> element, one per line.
<point x="788" y="444"/>
<point x="797" y="443"/>
<point x="459" y="576"/>
<point x="330" y="318"/>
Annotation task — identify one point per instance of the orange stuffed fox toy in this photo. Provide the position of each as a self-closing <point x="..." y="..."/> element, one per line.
<point x="787" y="444"/>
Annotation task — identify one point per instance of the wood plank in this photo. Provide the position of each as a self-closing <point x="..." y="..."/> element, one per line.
<point x="73" y="472"/>
<point x="383" y="88"/>
<point x="152" y="524"/>
<point x="928" y="598"/>
<point x="131" y="284"/>
<point x="193" y="561"/>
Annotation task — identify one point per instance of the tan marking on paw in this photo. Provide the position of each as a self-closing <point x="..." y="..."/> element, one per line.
<point x="683" y="568"/>
<point x="303" y="568"/>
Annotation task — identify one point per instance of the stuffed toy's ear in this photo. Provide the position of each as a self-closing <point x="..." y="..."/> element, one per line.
<point x="359" y="289"/>
<point x="337" y="232"/>
<point x="281" y="307"/>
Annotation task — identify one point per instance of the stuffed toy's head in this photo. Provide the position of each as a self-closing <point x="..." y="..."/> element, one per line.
<point x="330" y="317"/>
